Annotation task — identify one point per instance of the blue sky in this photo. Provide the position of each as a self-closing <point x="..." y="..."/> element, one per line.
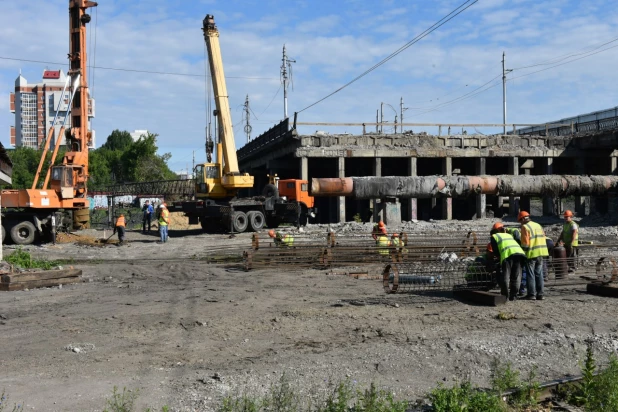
<point x="332" y="43"/>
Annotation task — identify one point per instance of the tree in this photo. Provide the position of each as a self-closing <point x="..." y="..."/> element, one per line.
<point x="118" y="140"/>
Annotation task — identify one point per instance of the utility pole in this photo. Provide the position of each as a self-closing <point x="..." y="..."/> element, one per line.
<point x="381" y="117"/>
<point x="377" y="121"/>
<point x="401" y="109"/>
<point x="248" y="127"/>
<point x="395" y="124"/>
<point x="286" y="67"/>
<point x="193" y="168"/>
<point x="504" y="72"/>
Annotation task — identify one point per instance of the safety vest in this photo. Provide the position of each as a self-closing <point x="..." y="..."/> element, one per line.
<point x="515" y="232"/>
<point x="507" y="246"/>
<point x="538" y="243"/>
<point x="396" y="242"/>
<point x="165" y="217"/>
<point x="288" y="240"/>
<point x="568" y="230"/>
<point x="120" y="222"/>
<point x="382" y="243"/>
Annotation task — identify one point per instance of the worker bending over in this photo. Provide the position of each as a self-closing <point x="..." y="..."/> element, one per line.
<point x="534" y="244"/>
<point x="511" y="260"/>
<point x="570" y="238"/>
<point x="378" y="228"/>
<point x="120" y="227"/>
<point x="382" y="242"/>
<point x="281" y="240"/>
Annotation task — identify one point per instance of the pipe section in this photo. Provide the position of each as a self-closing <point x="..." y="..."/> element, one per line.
<point x="462" y="186"/>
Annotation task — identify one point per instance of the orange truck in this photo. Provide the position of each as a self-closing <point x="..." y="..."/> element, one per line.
<point x="28" y="214"/>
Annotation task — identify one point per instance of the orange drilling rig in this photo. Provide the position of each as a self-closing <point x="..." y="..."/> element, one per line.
<point x="37" y="212"/>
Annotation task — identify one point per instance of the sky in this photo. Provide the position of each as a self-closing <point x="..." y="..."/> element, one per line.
<point x="452" y="75"/>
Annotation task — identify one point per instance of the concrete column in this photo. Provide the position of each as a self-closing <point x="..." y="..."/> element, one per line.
<point x="481" y="200"/>
<point x="376" y="205"/>
<point x="341" y="199"/>
<point x="524" y="201"/>
<point x="413" y="204"/>
<point x="582" y="203"/>
<point x="513" y="200"/>
<point x="304" y="168"/>
<point x="548" y="201"/>
<point x="447" y="203"/>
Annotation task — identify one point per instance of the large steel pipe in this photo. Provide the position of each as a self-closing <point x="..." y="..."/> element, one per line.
<point x="461" y="186"/>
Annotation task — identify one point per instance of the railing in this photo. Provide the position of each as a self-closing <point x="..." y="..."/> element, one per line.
<point x="183" y="187"/>
<point x="591" y="122"/>
<point x="274" y="134"/>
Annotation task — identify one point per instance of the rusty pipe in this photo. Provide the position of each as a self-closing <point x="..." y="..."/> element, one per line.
<point x="462" y="186"/>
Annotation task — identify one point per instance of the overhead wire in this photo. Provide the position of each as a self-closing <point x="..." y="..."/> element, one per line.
<point x="463" y="7"/>
<point x="136" y="70"/>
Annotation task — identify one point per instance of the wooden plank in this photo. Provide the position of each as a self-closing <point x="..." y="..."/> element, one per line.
<point x="47" y="283"/>
<point x="600" y="289"/>
<point x="481" y="297"/>
<point x="47" y="274"/>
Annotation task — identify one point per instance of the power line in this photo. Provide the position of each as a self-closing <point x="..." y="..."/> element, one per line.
<point x="463" y="7"/>
<point x="135" y="70"/>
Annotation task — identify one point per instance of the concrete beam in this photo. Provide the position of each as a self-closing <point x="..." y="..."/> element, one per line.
<point x="582" y="203"/>
<point x="514" y="200"/>
<point x="376" y="170"/>
<point x="413" y="204"/>
<point x="341" y="200"/>
<point x="304" y="168"/>
<point x="481" y="199"/>
<point x="549" y="201"/>
<point x="447" y="203"/>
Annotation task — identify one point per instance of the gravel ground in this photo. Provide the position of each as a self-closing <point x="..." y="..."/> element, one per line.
<point x="186" y="333"/>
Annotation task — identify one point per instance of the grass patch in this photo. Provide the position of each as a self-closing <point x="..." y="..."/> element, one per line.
<point x="505" y="316"/>
<point x="282" y="397"/>
<point x="125" y="401"/>
<point x="21" y="258"/>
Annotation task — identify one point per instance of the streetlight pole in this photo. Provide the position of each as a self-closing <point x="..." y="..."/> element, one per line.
<point x="381" y="117"/>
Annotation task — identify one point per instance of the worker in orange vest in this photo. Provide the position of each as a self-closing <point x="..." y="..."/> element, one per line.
<point x="120" y="227"/>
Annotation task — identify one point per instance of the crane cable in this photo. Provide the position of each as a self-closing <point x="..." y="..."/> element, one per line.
<point x="463" y="7"/>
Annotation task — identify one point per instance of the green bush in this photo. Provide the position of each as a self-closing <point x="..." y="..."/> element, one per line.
<point x="22" y="259"/>
<point x="465" y="398"/>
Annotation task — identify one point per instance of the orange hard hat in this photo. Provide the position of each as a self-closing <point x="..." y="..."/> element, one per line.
<point x="381" y="224"/>
<point x="395" y="234"/>
<point x="489" y="248"/>
<point x="522" y="215"/>
<point x="497" y="226"/>
<point x="271" y="233"/>
<point x="568" y="213"/>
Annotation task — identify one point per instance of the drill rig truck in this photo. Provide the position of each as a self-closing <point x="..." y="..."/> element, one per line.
<point x="37" y="212"/>
<point x="216" y="205"/>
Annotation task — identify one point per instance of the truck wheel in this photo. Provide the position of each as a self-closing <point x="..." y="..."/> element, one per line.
<point x="23" y="233"/>
<point x="239" y="222"/>
<point x="270" y="191"/>
<point x="256" y="220"/>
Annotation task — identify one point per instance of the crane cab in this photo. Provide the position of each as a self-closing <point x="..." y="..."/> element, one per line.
<point x="209" y="182"/>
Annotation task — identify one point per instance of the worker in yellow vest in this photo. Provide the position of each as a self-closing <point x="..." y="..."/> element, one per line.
<point x="382" y="242"/>
<point x="511" y="259"/>
<point x="280" y="239"/>
<point x="534" y="244"/>
<point x="120" y="227"/>
<point x="164" y="221"/>
<point x="570" y="238"/>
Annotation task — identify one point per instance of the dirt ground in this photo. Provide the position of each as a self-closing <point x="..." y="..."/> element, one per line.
<point x="186" y="332"/>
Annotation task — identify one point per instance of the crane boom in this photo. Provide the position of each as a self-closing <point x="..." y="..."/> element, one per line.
<point x="226" y="132"/>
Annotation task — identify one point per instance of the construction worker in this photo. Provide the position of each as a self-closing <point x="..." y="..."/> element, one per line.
<point x="395" y="241"/>
<point x="511" y="259"/>
<point x="482" y="268"/>
<point x="120" y="227"/>
<point x="570" y="238"/>
<point x="377" y="229"/>
<point x="164" y="221"/>
<point x="382" y="242"/>
<point x="515" y="232"/>
<point x="281" y="240"/>
<point x="534" y="244"/>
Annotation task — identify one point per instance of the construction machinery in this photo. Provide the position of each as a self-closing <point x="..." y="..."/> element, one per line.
<point x="216" y="205"/>
<point x="31" y="213"/>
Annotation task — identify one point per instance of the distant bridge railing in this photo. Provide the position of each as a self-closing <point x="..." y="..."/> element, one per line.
<point x="270" y="137"/>
<point x="591" y="122"/>
<point x="181" y="187"/>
